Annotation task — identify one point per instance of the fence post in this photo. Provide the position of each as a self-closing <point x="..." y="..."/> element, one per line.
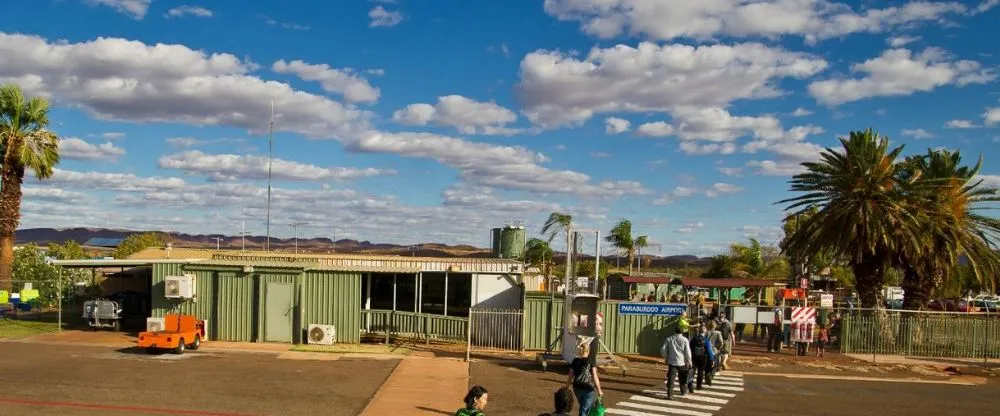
<point x="468" y="336"/>
<point x="390" y="318"/>
<point x="427" y="336"/>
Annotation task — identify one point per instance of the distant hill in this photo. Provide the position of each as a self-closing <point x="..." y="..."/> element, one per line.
<point x="43" y="236"/>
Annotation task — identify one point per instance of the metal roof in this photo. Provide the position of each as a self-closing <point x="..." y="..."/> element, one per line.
<point x="263" y="264"/>
<point x="700" y="282"/>
<point x="103" y="242"/>
<point x="153" y="253"/>
<point x="368" y="269"/>
<point x="97" y="263"/>
<point x="485" y="260"/>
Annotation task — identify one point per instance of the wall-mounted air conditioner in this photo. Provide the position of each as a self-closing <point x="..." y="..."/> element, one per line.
<point x="322" y="334"/>
<point x="154" y="324"/>
<point x="179" y="287"/>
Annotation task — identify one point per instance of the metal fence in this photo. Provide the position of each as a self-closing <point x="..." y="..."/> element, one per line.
<point x="399" y="324"/>
<point x="496" y="330"/>
<point x="921" y="334"/>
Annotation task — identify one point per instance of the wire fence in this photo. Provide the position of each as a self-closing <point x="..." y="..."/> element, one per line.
<point x="922" y="334"/>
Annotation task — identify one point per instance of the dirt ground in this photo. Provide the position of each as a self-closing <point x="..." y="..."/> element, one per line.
<point x="84" y="380"/>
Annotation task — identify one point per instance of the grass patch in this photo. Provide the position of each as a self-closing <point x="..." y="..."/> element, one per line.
<point x="353" y="349"/>
<point x="14" y="329"/>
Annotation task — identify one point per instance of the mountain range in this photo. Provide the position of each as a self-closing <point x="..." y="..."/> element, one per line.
<point x="43" y="236"/>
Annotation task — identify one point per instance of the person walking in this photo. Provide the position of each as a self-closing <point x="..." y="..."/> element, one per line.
<point x="702" y="355"/>
<point x="583" y="378"/>
<point x="715" y="340"/>
<point x="475" y="402"/>
<point x="677" y="351"/>
<point x="563" y="402"/>
<point x="822" y="339"/>
<point x="728" y="339"/>
<point x="775" y="332"/>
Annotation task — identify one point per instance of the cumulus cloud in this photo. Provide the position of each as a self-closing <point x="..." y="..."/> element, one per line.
<point x="466" y="115"/>
<point x="655" y="129"/>
<point x="776" y="168"/>
<point x="730" y="171"/>
<point x="960" y="124"/>
<point x="901" y="41"/>
<point x="118" y="79"/>
<point x="917" y="133"/>
<point x="135" y="8"/>
<point x="991" y="116"/>
<point x="351" y="86"/>
<point x="112" y="181"/>
<point x="185" y="10"/>
<point x="112" y="136"/>
<point x="615" y="125"/>
<point x="380" y="17"/>
<point x="32" y="193"/>
<point x="693" y="148"/>
<point x="900" y="72"/>
<point x="810" y="19"/>
<point x="73" y="148"/>
<point x="801" y="112"/>
<point x="232" y="167"/>
<point x="721" y="188"/>
<point x="287" y="25"/>
<point x="991" y="181"/>
<point x="558" y="88"/>
<point x="690" y="228"/>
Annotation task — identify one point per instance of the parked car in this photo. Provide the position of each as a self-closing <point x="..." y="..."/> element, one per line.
<point x="944" y="305"/>
<point x="962" y="305"/>
<point x="982" y="305"/>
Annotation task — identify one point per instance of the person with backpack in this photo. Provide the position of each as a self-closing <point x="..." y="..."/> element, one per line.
<point x="583" y="378"/>
<point x="703" y="356"/>
<point x="475" y="402"/>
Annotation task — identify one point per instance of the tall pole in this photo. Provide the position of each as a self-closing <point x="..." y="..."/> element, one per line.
<point x="334" y="241"/>
<point x="270" y="148"/>
<point x="244" y="234"/>
<point x="218" y="243"/>
<point x="295" y="230"/>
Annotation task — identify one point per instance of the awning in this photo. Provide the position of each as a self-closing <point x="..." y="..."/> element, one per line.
<point x="701" y="282"/>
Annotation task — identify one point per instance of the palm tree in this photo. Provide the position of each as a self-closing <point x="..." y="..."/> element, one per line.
<point x="951" y="196"/>
<point x="640" y="243"/>
<point x="864" y="212"/>
<point x="751" y="261"/>
<point x="26" y="145"/>
<point x="559" y="222"/>
<point x="620" y="237"/>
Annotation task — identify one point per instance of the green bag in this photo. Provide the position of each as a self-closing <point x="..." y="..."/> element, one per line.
<point x="598" y="408"/>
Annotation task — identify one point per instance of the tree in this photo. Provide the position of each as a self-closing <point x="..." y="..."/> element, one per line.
<point x="137" y="242"/>
<point x="620" y="237"/>
<point x="753" y="261"/>
<point x="950" y="196"/>
<point x="586" y="269"/>
<point x="538" y="253"/>
<point x="27" y="145"/>
<point x="864" y="213"/>
<point x="721" y="266"/>
<point x="70" y="250"/>
<point x="556" y="223"/>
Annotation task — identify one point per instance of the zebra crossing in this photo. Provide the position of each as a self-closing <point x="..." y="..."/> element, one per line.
<point x="705" y="402"/>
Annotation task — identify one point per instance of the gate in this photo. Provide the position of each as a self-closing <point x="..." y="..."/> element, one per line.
<point x="498" y="330"/>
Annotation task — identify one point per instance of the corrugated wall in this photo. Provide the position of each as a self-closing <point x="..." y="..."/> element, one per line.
<point x="333" y="298"/>
<point x="293" y="279"/>
<point x="202" y="307"/>
<point x="626" y="334"/>
<point x="235" y="311"/>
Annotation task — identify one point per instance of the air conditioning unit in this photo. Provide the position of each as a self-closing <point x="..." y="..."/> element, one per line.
<point x="179" y="287"/>
<point x="322" y="334"/>
<point x="154" y="324"/>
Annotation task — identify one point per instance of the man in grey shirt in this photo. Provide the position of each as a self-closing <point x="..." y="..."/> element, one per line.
<point x="677" y="350"/>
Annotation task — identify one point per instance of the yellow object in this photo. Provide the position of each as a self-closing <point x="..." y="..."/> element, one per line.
<point x="4" y="296"/>
<point x="28" y="295"/>
<point x="683" y="324"/>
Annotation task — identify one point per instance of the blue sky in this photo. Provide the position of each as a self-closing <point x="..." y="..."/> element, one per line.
<point x="410" y="121"/>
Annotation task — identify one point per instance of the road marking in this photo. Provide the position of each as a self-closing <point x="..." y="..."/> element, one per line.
<point x="727" y="383"/>
<point x="875" y="379"/>
<point x="135" y="409"/>
<point x="689" y="397"/>
<point x="674" y="403"/>
<point x="613" y="411"/>
<point x="664" y="409"/>
<point x="705" y="392"/>
<point x="727" y="388"/>
<point x="725" y="378"/>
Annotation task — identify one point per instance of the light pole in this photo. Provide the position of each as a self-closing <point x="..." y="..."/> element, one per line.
<point x="270" y="147"/>
<point x="218" y="243"/>
<point x="295" y="230"/>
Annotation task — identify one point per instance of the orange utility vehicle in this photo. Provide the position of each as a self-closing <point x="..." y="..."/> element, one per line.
<point x="179" y="332"/>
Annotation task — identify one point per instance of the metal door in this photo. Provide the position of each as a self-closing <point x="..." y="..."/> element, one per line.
<point x="278" y="312"/>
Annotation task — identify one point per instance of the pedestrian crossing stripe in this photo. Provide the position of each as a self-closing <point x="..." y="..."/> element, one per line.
<point x="704" y="402"/>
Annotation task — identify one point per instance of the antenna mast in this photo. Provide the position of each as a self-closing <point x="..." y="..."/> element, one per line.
<point x="270" y="147"/>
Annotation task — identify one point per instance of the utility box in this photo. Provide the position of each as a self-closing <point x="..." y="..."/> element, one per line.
<point x="179" y="287"/>
<point x="580" y="322"/>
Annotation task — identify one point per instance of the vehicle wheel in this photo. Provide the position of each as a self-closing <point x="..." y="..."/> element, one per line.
<point x="116" y="326"/>
<point x="180" y="347"/>
<point x="197" y="343"/>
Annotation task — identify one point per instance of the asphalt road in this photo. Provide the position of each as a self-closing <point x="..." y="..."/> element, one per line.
<point x="67" y="380"/>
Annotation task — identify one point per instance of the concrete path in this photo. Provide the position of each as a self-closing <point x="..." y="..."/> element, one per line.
<point x="422" y="386"/>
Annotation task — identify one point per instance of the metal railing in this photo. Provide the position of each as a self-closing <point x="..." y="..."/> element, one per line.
<point x="496" y="330"/>
<point x="399" y="324"/>
<point x="921" y="334"/>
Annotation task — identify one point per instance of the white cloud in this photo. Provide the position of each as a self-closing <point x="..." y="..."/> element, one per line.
<point x="990" y="181"/>
<point x="113" y="181"/>
<point x="960" y="124"/>
<point x="776" y="168"/>
<point x="801" y="112"/>
<point x="682" y="191"/>
<point x="383" y="18"/>
<point x="506" y="167"/>
<point x="559" y="89"/>
<point x="655" y="129"/>
<point x="232" y="167"/>
<point x="286" y="25"/>
<point x="135" y="8"/>
<point x="991" y="116"/>
<point x="351" y="86"/>
<point x="900" y="72"/>
<point x="189" y="142"/>
<point x="690" y="228"/>
<point x="615" y="125"/>
<point x="117" y="79"/>
<point x="710" y="20"/>
<point x="73" y="148"/>
<point x="112" y="136"/>
<point x="986" y="5"/>
<point x="665" y="199"/>
<point x="466" y="115"/>
<point x="600" y="155"/>
<point x="693" y="148"/>
<point x="375" y="71"/>
<point x="753" y="231"/>
<point x="721" y="188"/>
<point x="917" y="133"/>
<point x="196" y="11"/>
<point x="730" y="171"/>
<point x="901" y="41"/>
<point x="53" y="194"/>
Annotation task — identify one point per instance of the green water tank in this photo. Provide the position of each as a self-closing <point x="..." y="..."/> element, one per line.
<point x="508" y="242"/>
